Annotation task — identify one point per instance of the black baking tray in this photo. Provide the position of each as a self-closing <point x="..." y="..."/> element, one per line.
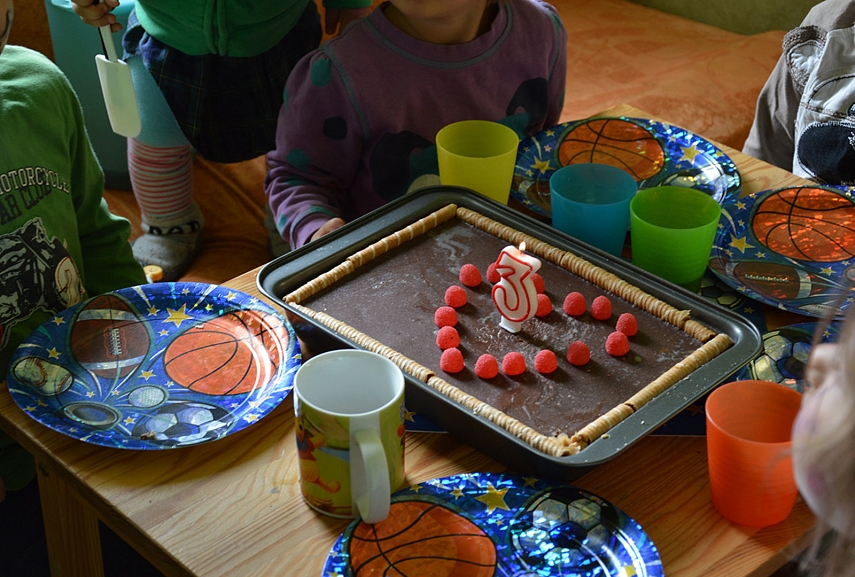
<point x="294" y="269"/>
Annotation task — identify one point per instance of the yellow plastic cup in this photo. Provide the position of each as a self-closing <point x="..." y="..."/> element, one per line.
<point x="749" y="428"/>
<point x="479" y="155"/>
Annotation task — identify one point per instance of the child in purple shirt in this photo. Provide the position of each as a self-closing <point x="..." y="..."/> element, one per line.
<point x="361" y="113"/>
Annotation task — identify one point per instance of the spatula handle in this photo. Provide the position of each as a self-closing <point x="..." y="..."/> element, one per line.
<point x="109" y="46"/>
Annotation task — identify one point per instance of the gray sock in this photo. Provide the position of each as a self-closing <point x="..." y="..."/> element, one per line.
<point x="170" y="243"/>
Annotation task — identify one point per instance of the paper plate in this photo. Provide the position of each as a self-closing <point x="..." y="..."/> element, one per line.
<point x="785" y="354"/>
<point x="654" y="153"/>
<point x="156" y="366"/>
<point x="792" y="248"/>
<point x="503" y="525"/>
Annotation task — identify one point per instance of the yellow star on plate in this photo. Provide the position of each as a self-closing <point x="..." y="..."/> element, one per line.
<point x="147" y="374"/>
<point x="163" y="332"/>
<point x="129" y="420"/>
<point x="826" y="270"/>
<point x="53" y="353"/>
<point x="494" y="499"/>
<point x="457" y="492"/>
<point x="415" y="488"/>
<point x="408" y="416"/>
<point x="152" y="311"/>
<point x="530" y="481"/>
<point x="542" y="165"/>
<point x="740" y="205"/>
<point x="178" y="316"/>
<point x="760" y="255"/>
<point x="691" y="153"/>
<point x="740" y="243"/>
<point x="231" y="296"/>
<point x="58" y="321"/>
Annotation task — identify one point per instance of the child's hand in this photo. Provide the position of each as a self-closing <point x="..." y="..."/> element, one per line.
<point x="327" y="227"/>
<point x="341" y="17"/>
<point x="97" y="13"/>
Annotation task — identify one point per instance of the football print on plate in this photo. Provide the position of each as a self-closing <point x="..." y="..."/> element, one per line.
<point x="502" y="525"/>
<point x="156" y="366"/>
<point x="792" y="248"/>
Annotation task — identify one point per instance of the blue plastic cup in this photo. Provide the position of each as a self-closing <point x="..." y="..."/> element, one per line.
<point x="591" y="202"/>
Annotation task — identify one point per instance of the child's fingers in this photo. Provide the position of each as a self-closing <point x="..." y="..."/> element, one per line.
<point x="97" y="13"/>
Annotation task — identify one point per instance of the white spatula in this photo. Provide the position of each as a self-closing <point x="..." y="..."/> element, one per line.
<point x="118" y="89"/>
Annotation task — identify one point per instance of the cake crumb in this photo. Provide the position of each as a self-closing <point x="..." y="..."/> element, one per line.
<point x="470" y="275"/>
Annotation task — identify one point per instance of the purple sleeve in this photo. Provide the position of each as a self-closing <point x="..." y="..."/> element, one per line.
<point x="319" y="140"/>
<point x="558" y="78"/>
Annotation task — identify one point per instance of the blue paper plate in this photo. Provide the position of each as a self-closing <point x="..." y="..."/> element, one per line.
<point x="785" y="354"/>
<point x="654" y="153"/>
<point x="156" y="366"/>
<point x="791" y="248"/>
<point x="502" y="525"/>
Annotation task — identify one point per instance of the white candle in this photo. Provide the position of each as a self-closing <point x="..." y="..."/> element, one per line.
<point x="515" y="294"/>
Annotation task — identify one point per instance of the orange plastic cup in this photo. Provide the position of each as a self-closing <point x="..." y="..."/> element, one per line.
<point x="749" y="426"/>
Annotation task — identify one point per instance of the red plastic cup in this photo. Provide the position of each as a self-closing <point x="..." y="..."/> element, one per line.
<point x="749" y="426"/>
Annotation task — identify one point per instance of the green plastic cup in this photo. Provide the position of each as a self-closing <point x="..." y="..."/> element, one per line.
<point x="479" y="155"/>
<point x="672" y="230"/>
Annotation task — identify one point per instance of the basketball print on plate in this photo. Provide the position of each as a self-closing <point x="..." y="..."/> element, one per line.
<point x="654" y="153"/>
<point x="503" y="525"/>
<point x="792" y="248"/>
<point x="156" y="366"/>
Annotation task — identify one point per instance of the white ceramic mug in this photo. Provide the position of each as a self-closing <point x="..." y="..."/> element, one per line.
<point x="349" y="408"/>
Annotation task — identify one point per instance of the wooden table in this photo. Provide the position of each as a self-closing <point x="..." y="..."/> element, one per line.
<point x="233" y="507"/>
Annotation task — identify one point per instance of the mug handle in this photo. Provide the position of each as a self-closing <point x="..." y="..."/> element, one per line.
<point x="369" y="476"/>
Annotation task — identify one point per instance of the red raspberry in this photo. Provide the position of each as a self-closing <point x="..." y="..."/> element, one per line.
<point x="544" y="306"/>
<point x="575" y="305"/>
<point x="627" y="324"/>
<point x="486" y="367"/>
<point x="470" y="275"/>
<point x="493" y="275"/>
<point x="601" y="308"/>
<point x="445" y="317"/>
<point x="455" y="296"/>
<point x="447" y="338"/>
<point x="451" y="361"/>
<point x="539" y="285"/>
<point x="617" y="345"/>
<point x="578" y="354"/>
<point x="545" y="362"/>
<point x="513" y="364"/>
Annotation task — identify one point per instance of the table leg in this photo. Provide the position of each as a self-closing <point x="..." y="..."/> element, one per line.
<point x="71" y="529"/>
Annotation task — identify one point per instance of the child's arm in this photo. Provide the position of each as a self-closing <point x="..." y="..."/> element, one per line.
<point x="108" y="262"/>
<point x="558" y="78"/>
<point x="319" y="144"/>
<point x="772" y="134"/>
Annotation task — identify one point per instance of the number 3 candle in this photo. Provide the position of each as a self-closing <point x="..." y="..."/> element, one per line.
<point x="515" y="295"/>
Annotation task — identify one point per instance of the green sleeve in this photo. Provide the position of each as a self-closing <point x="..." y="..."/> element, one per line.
<point x="347" y="3"/>
<point x="108" y="262"/>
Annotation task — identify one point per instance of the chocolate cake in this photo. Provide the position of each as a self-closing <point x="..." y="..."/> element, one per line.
<point x="384" y="298"/>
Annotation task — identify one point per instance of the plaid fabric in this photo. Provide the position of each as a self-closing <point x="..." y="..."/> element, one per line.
<point x="226" y="106"/>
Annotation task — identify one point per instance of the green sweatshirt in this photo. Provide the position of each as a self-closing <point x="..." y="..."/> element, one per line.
<point x="59" y="244"/>
<point x="225" y="27"/>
